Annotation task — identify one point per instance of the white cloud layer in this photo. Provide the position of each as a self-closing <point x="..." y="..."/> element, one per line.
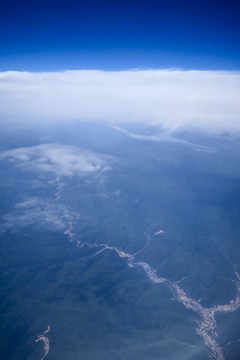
<point x="205" y="100"/>
<point x="57" y="159"/>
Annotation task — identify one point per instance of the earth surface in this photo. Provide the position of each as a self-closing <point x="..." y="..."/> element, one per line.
<point x="119" y="243"/>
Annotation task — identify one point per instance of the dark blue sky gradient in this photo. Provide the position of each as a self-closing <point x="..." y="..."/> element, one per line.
<point x="114" y="35"/>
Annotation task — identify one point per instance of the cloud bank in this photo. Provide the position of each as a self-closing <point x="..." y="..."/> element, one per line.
<point x="61" y="160"/>
<point x="173" y="99"/>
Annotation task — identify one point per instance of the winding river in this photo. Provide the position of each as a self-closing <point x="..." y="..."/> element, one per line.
<point x="45" y="341"/>
<point x="207" y="327"/>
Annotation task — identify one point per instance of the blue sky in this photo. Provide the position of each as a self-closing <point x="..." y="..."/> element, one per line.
<point x="117" y="35"/>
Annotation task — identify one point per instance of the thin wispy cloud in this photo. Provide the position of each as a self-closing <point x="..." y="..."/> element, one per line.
<point x="36" y="211"/>
<point x="163" y="137"/>
<point x="173" y="99"/>
<point x="60" y="160"/>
